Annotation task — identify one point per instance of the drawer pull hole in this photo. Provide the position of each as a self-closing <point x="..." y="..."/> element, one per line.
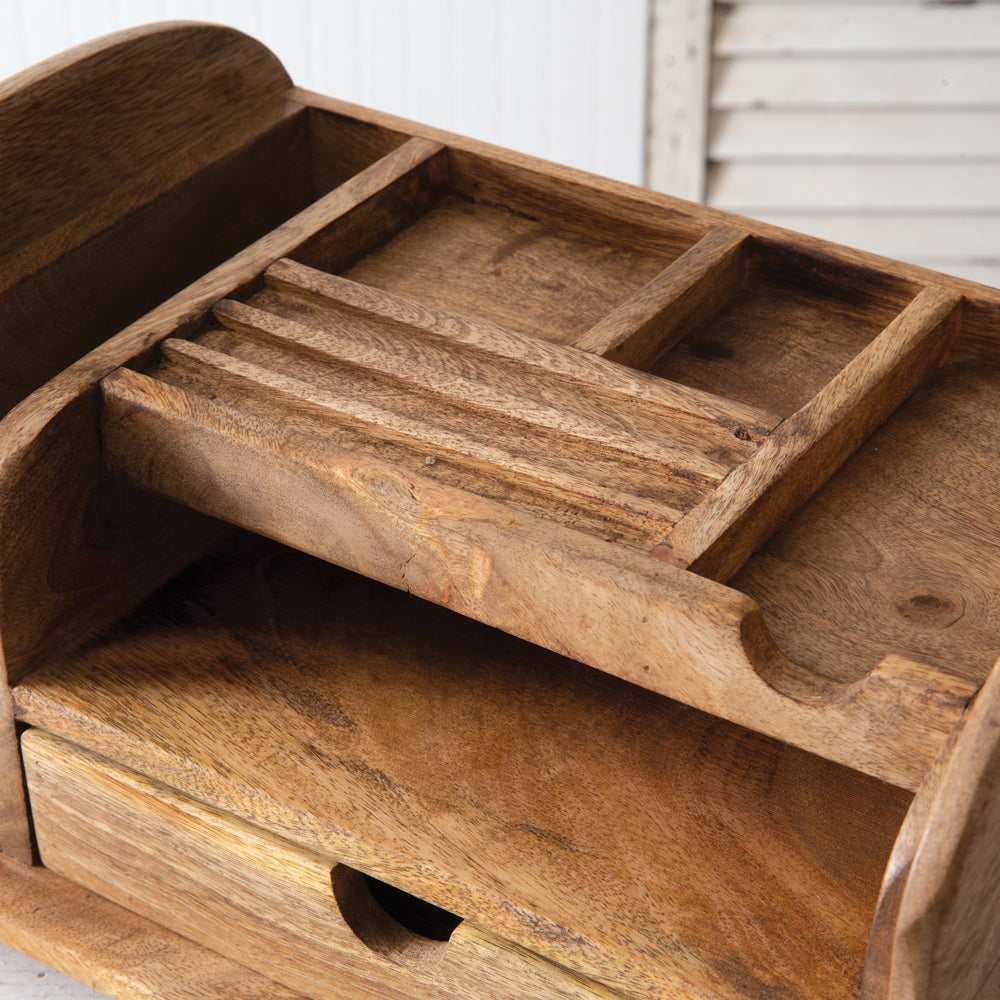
<point x="391" y="922"/>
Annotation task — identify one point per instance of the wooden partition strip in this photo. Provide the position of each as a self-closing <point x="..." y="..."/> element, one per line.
<point x="684" y="295"/>
<point x="719" y="535"/>
<point x="447" y="369"/>
<point x="411" y="185"/>
<point x="661" y="399"/>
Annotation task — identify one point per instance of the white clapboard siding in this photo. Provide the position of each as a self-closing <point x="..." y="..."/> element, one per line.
<point x="853" y="134"/>
<point x="561" y="79"/>
<point x="751" y="188"/>
<point x="875" y="124"/>
<point x="969" y="80"/>
<point x="905" y="235"/>
<point x="904" y="27"/>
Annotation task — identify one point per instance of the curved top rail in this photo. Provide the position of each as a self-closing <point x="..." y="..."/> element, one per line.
<point x="93" y="133"/>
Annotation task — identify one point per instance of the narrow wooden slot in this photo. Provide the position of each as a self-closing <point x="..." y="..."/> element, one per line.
<point x="94" y="290"/>
<point x="688" y="293"/>
<point x="411" y="186"/>
<point x="718" y="537"/>
<point x="318" y="402"/>
<point x="618" y="389"/>
<point x="799" y="320"/>
<point x="273" y="709"/>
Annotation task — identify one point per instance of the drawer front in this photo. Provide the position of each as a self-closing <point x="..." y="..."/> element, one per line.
<point x="319" y="927"/>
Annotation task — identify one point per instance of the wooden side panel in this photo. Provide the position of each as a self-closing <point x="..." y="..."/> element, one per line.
<point x="946" y="934"/>
<point x="95" y="133"/>
<point x="255" y="898"/>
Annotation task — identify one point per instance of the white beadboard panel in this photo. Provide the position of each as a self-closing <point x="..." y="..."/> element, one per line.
<point x="853" y="29"/>
<point x="904" y="235"/>
<point x="862" y="134"/>
<point x="751" y="187"/>
<point x="967" y="80"/>
<point x="561" y="79"/>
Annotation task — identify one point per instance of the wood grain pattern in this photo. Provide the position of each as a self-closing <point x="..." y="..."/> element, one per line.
<point x="556" y="464"/>
<point x="253" y="897"/>
<point x="686" y="294"/>
<point x="662" y="400"/>
<point x="76" y="550"/>
<point x="50" y="457"/>
<point x="896" y="551"/>
<point x="948" y="925"/>
<point x="742" y="867"/>
<point x="195" y="89"/>
<point x="719" y="536"/>
<point x="605" y="605"/>
<point x="121" y="954"/>
<point x="540" y="278"/>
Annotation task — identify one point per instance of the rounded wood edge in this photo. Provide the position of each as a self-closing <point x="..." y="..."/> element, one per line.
<point x="29" y="83"/>
<point x="936" y="934"/>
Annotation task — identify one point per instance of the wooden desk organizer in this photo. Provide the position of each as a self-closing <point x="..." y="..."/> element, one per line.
<point x="716" y="504"/>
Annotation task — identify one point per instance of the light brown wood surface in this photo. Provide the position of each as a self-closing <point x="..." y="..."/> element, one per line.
<point x="896" y="550"/>
<point x="587" y="597"/>
<point x="947" y="925"/>
<point x="628" y="837"/>
<point x="806" y="449"/>
<point x="256" y="898"/>
<point x="126" y="956"/>
<point x="495" y="467"/>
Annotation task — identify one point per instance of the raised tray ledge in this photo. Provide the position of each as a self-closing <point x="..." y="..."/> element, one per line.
<point x="691" y="639"/>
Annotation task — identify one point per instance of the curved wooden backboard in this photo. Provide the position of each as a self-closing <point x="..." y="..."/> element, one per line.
<point x="91" y="139"/>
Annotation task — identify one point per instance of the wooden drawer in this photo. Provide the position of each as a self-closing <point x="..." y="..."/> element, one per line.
<point x="302" y="919"/>
<point x="637" y="841"/>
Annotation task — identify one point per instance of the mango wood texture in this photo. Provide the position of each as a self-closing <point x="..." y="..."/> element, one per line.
<point x="651" y="847"/>
<point x="565" y="589"/>
<point x="384" y="359"/>
<point x="186" y="97"/>
<point x="947" y="924"/>
<point x="76" y="550"/>
<point x="256" y="898"/>
<point x="117" y="952"/>
<point x="717" y="538"/>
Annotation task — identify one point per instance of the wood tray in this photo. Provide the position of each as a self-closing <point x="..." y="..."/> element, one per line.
<point x="730" y="491"/>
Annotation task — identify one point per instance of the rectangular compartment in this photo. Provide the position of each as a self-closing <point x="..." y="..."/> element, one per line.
<point x="499" y="249"/>
<point x="898" y="554"/>
<point x="797" y="321"/>
<point x="619" y="834"/>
